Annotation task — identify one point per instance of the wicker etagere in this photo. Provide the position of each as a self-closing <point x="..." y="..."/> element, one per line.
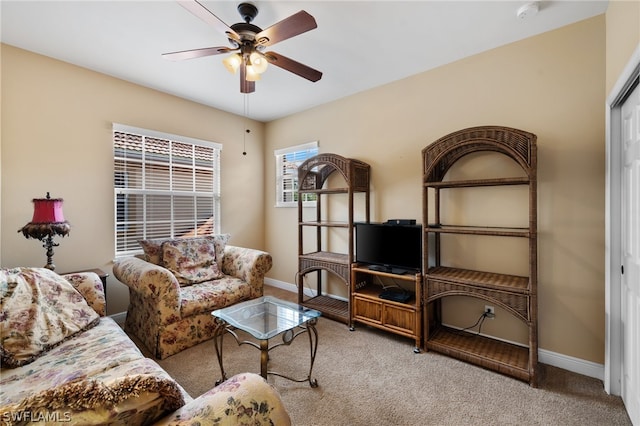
<point x="516" y="294"/>
<point x="313" y="177"/>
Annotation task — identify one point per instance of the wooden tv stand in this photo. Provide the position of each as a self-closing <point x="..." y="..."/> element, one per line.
<point x="402" y="318"/>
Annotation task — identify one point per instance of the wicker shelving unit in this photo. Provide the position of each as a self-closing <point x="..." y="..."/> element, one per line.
<point x="313" y="177"/>
<point x="516" y="294"/>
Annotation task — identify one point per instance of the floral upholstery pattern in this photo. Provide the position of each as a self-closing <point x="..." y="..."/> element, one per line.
<point x="99" y="377"/>
<point x="168" y="318"/>
<point x="152" y="248"/>
<point x="39" y="310"/>
<point x="96" y="376"/>
<point x="91" y="289"/>
<point x="191" y="260"/>
<point x="244" y="399"/>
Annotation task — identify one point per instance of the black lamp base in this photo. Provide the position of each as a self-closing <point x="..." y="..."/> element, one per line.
<point x="49" y="245"/>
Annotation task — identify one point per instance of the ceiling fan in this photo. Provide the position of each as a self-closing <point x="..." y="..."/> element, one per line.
<point x="249" y="42"/>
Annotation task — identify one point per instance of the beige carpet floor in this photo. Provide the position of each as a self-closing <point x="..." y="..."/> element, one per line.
<point x="370" y="377"/>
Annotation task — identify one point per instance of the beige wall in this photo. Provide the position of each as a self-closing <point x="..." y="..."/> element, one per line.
<point x="551" y="85"/>
<point x="623" y="36"/>
<point x="56" y="137"/>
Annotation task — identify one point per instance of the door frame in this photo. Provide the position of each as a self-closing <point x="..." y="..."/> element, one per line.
<point x="613" y="226"/>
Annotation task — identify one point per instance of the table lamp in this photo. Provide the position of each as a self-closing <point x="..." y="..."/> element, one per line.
<point x="48" y="220"/>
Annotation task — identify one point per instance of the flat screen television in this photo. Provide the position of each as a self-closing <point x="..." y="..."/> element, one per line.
<point x="389" y="247"/>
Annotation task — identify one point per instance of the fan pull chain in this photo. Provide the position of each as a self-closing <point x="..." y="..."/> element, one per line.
<point x="246" y="120"/>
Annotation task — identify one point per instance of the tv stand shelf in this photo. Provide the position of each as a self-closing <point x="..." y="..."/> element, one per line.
<point x="402" y="318"/>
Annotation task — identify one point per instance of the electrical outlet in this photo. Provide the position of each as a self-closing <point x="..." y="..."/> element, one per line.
<point x="490" y="311"/>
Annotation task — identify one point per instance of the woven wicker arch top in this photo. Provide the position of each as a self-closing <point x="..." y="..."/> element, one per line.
<point x="444" y="152"/>
<point x="313" y="173"/>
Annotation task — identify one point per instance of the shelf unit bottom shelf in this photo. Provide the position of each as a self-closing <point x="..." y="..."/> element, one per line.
<point x="330" y="307"/>
<point x="505" y="358"/>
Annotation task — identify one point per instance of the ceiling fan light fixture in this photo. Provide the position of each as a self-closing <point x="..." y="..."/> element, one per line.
<point x="258" y="62"/>
<point x="252" y="74"/>
<point x="248" y="43"/>
<point x="232" y="62"/>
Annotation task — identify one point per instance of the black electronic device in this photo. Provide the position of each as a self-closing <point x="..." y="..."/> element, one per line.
<point x="389" y="247"/>
<point x="397" y="295"/>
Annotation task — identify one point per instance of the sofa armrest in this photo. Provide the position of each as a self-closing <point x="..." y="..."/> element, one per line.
<point x="243" y="399"/>
<point x="250" y="265"/>
<point x="89" y="285"/>
<point x="150" y="281"/>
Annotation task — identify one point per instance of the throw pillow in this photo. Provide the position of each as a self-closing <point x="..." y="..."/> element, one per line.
<point x="153" y="248"/>
<point x="220" y="240"/>
<point x="191" y="260"/>
<point x="39" y="310"/>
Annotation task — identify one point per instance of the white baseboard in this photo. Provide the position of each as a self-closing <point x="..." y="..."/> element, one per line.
<point x="576" y="365"/>
<point x="294" y="289"/>
<point x="283" y="285"/>
<point x="566" y="362"/>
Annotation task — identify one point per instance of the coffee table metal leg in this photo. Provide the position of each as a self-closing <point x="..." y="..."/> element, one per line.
<point x="264" y="357"/>
<point x="313" y="345"/>
<point x="288" y="337"/>
<point x="218" y="337"/>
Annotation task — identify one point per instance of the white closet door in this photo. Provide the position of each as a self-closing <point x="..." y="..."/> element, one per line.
<point x="631" y="255"/>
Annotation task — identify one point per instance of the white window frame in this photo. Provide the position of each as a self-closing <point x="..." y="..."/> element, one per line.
<point x="303" y="152"/>
<point x="123" y="247"/>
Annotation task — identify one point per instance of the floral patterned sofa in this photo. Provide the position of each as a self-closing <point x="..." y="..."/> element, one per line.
<point x="64" y="362"/>
<point x="177" y="283"/>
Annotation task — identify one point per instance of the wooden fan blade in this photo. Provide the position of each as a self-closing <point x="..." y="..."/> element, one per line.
<point x="293" y="66"/>
<point x="207" y="16"/>
<point x="298" y="23"/>
<point x="246" y="86"/>
<point x="196" y="53"/>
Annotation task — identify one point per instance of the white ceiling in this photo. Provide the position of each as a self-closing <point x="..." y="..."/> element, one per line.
<point x="358" y="45"/>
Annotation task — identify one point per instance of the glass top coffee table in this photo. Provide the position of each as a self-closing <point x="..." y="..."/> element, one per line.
<point x="265" y="318"/>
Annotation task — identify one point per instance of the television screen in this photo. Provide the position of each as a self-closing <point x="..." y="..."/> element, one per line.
<point x="389" y="247"/>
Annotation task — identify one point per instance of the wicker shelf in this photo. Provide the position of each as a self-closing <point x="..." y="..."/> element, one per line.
<point x="326" y="224"/>
<point x="489" y="353"/>
<point x="500" y="282"/>
<point x="313" y="176"/>
<point x="480" y="230"/>
<point x="330" y="307"/>
<point x="516" y="294"/>
<point x="479" y="182"/>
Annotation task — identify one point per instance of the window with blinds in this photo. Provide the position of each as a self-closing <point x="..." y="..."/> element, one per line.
<point x="287" y="162"/>
<point x="165" y="186"/>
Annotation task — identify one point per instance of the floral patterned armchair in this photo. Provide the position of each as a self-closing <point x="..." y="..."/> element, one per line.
<point x="168" y="315"/>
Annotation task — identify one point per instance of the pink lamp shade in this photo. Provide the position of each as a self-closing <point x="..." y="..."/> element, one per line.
<point x="48" y="219"/>
<point x="47" y="210"/>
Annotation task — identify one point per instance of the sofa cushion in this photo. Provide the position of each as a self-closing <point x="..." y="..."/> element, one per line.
<point x="96" y="377"/>
<point x="191" y="260"/>
<point x="153" y="247"/>
<point x="212" y="295"/>
<point x="40" y="309"/>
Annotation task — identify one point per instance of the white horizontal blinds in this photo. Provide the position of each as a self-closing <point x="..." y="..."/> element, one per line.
<point x="163" y="188"/>
<point x="287" y="162"/>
